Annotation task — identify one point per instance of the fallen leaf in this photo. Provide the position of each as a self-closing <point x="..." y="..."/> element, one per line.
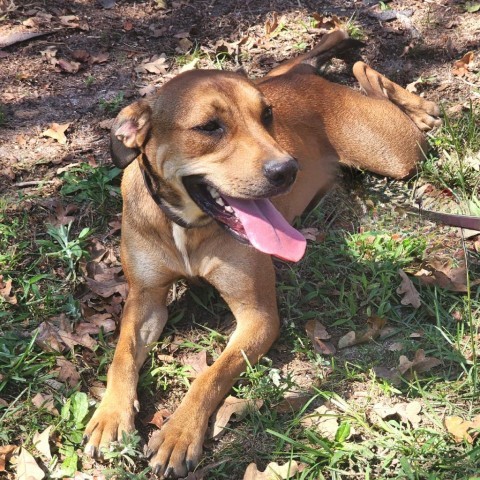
<point x="158" y="418"/>
<point x="395" y="347"/>
<point x="412" y="87"/>
<point x="57" y="132"/>
<point x="46" y="402"/>
<point x="196" y="362"/>
<point x="459" y="428"/>
<point x="292" y="402"/>
<point x="147" y="90"/>
<point x="271" y="24"/>
<point x="326" y="23"/>
<point x="156" y="65"/>
<point x="48" y="338"/>
<point x="408" y="290"/>
<point x="274" y="471"/>
<point x="68" y="67"/>
<point x="81" y="55"/>
<point x="443" y="275"/>
<point x="26" y="466"/>
<point x="419" y="364"/>
<point x="323" y="420"/>
<point x="462" y="67"/>
<point x="67" y="372"/>
<point x="41" y="442"/>
<point x="6" y="291"/>
<point x="184" y="45"/>
<point x="375" y="324"/>
<point x="317" y="333"/>
<point x="409" y="412"/>
<point x="99" y="58"/>
<point x="6" y="452"/>
<point x="231" y="407"/>
<point x="127" y="25"/>
<point x="106" y="124"/>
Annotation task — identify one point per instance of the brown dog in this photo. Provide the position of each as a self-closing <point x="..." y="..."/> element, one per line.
<point x="211" y="148"/>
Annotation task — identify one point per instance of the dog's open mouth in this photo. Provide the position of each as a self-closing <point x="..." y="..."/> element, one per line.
<point x="254" y="221"/>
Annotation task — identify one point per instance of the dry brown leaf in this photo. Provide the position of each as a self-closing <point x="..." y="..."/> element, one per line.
<point x="66" y="66"/>
<point x="409" y="412"/>
<point x="46" y="402"/>
<point x="6" y="291"/>
<point x="419" y="364"/>
<point x="41" y="442"/>
<point x="292" y="402"/>
<point x="158" y="418"/>
<point x="271" y="24"/>
<point x="99" y="58"/>
<point x="184" y="45"/>
<point x="147" y="90"/>
<point x="231" y="407"/>
<point x="323" y="420"/>
<point x="326" y="23"/>
<point x="459" y="428"/>
<point x="67" y="372"/>
<point x="461" y="67"/>
<point x="48" y="338"/>
<point x="196" y="363"/>
<point x="274" y="471"/>
<point x="375" y="324"/>
<point x="6" y="451"/>
<point x="408" y="290"/>
<point x="127" y="25"/>
<point x="443" y="275"/>
<point x="26" y="466"/>
<point x="57" y="132"/>
<point x="318" y="335"/>
<point x="81" y="55"/>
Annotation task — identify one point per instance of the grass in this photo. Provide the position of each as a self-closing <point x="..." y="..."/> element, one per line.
<point x="348" y="276"/>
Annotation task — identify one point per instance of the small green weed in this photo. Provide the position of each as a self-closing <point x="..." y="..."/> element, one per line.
<point x="112" y="106"/>
<point x="90" y="80"/>
<point x="99" y="185"/>
<point x="71" y="426"/>
<point x="68" y="251"/>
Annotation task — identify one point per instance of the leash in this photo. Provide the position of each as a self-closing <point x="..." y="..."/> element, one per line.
<point x="451" y="220"/>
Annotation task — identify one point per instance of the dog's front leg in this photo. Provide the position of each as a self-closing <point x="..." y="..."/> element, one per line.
<point x="249" y="289"/>
<point x="143" y="320"/>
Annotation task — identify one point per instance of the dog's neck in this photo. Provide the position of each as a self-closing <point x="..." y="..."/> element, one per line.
<point x="153" y="184"/>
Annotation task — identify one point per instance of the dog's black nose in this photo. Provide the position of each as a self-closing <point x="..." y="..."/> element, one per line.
<point x="281" y="174"/>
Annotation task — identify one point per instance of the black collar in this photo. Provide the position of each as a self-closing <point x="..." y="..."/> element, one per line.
<point x="153" y="184"/>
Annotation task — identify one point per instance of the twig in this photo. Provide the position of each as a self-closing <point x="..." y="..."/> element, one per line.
<point x="32" y="183"/>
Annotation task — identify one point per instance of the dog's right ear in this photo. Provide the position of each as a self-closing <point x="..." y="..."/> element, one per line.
<point x="129" y="132"/>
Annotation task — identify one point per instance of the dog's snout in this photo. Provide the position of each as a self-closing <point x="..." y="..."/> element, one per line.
<point x="281" y="174"/>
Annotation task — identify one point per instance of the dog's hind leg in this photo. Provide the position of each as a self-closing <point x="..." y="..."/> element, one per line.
<point x="424" y="113"/>
<point x="247" y="283"/>
<point x="332" y="45"/>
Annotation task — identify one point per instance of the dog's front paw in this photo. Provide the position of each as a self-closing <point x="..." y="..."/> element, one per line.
<point x="110" y="419"/>
<point x="176" y="448"/>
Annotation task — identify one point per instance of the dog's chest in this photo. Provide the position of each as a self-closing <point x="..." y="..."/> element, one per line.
<point x="180" y="238"/>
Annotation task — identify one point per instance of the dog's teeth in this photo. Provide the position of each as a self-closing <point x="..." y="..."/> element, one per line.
<point x="229" y="209"/>
<point x="213" y="192"/>
<point x="220" y="201"/>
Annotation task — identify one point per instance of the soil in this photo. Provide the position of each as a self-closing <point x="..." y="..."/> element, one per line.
<point x="38" y="90"/>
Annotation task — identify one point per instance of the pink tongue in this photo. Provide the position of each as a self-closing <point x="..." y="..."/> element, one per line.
<point x="267" y="230"/>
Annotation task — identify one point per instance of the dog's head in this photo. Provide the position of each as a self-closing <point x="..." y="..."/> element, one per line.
<point x="207" y="137"/>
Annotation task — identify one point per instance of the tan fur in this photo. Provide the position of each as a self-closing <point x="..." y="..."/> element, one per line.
<point x="317" y="122"/>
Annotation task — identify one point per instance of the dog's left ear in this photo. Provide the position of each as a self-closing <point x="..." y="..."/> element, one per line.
<point x="129" y="132"/>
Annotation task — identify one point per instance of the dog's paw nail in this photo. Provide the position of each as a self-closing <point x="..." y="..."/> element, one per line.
<point x="148" y="452"/>
<point x="157" y="469"/>
<point x="90" y="450"/>
<point x="168" y="472"/>
<point x="190" y="465"/>
<point x="136" y="405"/>
<point x="85" y="439"/>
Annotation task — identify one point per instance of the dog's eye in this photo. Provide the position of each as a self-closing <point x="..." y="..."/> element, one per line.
<point x="213" y="126"/>
<point x="267" y="115"/>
